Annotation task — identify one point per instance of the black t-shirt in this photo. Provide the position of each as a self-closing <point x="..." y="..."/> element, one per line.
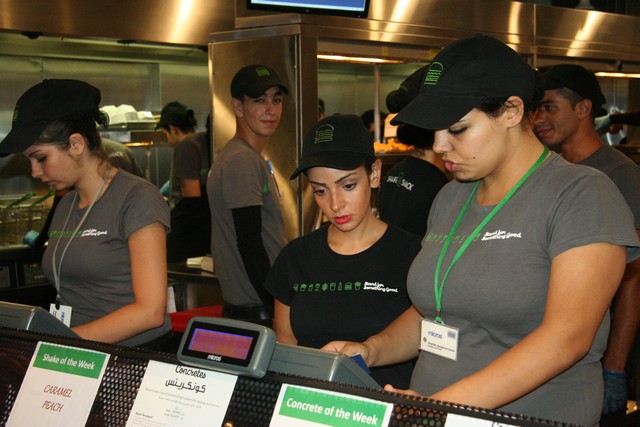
<point x="407" y="193"/>
<point x="345" y="297"/>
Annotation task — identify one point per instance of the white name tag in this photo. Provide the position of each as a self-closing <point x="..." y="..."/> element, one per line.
<point x="63" y="313"/>
<point x="439" y="339"/>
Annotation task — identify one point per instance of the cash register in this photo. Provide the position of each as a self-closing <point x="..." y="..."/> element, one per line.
<point x="32" y="318"/>
<point x="244" y="348"/>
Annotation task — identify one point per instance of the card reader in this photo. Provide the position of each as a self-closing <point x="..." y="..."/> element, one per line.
<point x="227" y="345"/>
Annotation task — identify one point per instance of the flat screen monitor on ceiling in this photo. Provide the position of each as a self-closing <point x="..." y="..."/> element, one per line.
<point x="352" y="8"/>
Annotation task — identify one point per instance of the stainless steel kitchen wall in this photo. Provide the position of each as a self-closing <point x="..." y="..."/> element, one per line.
<point x="346" y="88"/>
<point x="189" y="22"/>
<point x="177" y="22"/>
<point x="145" y="77"/>
<point x="415" y="31"/>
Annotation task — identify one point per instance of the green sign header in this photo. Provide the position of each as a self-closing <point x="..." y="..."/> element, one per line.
<point x="70" y="360"/>
<point x="332" y="409"/>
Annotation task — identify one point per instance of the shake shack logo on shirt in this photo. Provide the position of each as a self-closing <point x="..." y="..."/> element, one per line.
<point x="399" y="181"/>
<point x="90" y="232"/>
<point x="342" y="287"/>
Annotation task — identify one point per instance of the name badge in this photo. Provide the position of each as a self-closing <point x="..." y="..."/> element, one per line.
<point x="63" y="313"/>
<point x="439" y="339"/>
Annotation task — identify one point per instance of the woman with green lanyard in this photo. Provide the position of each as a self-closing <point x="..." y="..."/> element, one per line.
<point x="106" y="254"/>
<point x="522" y="256"/>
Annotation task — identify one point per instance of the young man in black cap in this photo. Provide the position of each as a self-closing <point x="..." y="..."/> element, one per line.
<point x="564" y="121"/>
<point x="190" y="214"/>
<point x="247" y="224"/>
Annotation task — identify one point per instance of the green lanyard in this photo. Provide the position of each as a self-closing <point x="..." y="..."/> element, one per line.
<point x="439" y="287"/>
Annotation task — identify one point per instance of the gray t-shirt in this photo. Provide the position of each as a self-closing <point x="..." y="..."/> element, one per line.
<point x="190" y="161"/>
<point x="240" y="178"/>
<point x="95" y="277"/>
<point x="623" y="172"/>
<point x="496" y="292"/>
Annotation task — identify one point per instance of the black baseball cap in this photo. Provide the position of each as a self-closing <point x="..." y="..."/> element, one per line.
<point x="397" y="99"/>
<point x="177" y="114"/>
<point x="461" y="76"/>
<point x="340" y="142"/>
<point x="579" y="80"/>
<point x="49" y="100"/>
<point x="254" y="80"/>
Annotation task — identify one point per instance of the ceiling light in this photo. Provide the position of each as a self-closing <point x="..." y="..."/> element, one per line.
<point x="618" y="75"/>
<point x="366" y="60"/>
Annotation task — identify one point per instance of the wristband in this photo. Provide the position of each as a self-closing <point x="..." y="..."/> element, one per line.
<point x="614" y="374"/>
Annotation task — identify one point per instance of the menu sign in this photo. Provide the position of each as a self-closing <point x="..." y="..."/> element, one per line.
<point x="178" y="395"/>
<point x="59" y="387"/>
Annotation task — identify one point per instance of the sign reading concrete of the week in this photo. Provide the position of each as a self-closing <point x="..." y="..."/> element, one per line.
<point x="59" y="387"/>
<point x="307" y="407"/>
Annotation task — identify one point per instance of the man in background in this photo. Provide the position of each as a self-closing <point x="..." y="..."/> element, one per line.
<point x="564" y="121"/>
<point x="190" y="214"/>
<point x="247" y="223"/>
<point x="369" y="120"/>
<point x="411" y="185"/>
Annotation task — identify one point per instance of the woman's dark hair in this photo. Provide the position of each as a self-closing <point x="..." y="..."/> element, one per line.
<point x="493" y="107"/>
<point x="420" y="138"/>
<point x="574" y="98"/>
<point x="187" y="123"/>
<point x="178" y="115"/>
<point x="59" y="131"/>
<point x="368" y="164"/>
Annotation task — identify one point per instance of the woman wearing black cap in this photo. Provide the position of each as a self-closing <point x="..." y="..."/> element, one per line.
<point x="346" y="280"/>
<point x="522" y="255"/>
<point x="106" y="252"/>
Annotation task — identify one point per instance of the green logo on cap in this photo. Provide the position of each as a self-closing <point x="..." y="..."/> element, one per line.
<point x="324" y="134"/>
<point x="15" y="115"/>
<point x="262" y="72"/>
<point x="433" y="73"/>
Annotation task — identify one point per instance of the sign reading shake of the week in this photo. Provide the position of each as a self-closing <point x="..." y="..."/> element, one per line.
<point x="306" y="407"/>
<point x="59" y="387"/>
